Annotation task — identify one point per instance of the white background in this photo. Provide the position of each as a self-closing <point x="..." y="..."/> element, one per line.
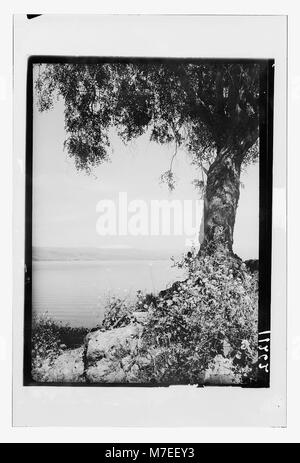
<point x="142" y="434"/>
<point x="151" y="35"/>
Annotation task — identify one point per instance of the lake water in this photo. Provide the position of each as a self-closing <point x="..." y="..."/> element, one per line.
<point x="75" y="292"/>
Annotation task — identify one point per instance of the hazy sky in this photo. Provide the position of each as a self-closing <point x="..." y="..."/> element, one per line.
<point x="64" y="200"/>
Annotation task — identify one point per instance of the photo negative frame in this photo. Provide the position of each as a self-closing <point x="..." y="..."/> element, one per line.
<point x="265" y="160"/>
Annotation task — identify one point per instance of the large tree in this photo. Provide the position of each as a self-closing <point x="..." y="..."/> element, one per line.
<point x="210" y="109"/>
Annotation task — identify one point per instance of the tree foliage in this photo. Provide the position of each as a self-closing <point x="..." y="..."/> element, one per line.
<point x="202" y="106"/>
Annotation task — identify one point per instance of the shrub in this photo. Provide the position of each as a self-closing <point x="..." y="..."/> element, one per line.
<point x="119" y="311"/>
<point x="212" y="313"/>
<point x="49" y="340"/>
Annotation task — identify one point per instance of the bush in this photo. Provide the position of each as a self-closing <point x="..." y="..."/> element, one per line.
<point x="212" y="313"/>
<point x="117" y="313"/>
<point x="49" y="340"/>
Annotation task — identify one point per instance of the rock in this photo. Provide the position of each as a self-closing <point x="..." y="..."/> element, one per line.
<point x="105" y="343"/>
<point x="109" y="356"/>
<point x="105" y="371"/>
<point x="66" y="368"/>
<point x="126" y="363"/>
<point x="220" y="371"/>
<point x="116" y="356"/>
<point x="133" y="375"/>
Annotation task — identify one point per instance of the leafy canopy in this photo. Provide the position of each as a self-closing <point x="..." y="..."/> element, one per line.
<point x="203" y="107"/>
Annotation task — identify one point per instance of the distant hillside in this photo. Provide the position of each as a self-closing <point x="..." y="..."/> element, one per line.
<point x="74" y="254"/>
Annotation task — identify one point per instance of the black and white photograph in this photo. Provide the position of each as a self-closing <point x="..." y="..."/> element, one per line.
<point x="148" y="221"/>
<point x="149" y="228"/>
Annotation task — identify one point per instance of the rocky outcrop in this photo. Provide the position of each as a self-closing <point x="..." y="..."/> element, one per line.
<point x="68" y="367"/>
<point x="117" y="356"/>
<point x="113" y="356"/>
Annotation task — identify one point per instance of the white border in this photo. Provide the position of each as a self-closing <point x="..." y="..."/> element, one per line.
<point x="186" y="36"/>
<point x="291" y="434"/>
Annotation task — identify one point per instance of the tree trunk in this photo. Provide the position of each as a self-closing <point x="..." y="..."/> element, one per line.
<point x="221" y="199"/>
